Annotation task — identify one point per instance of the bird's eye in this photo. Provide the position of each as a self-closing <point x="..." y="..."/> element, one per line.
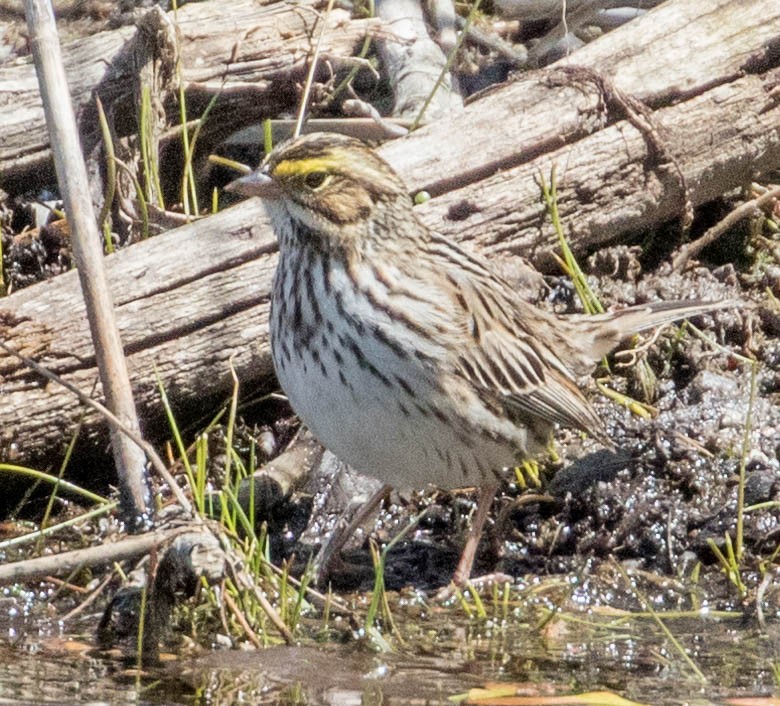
<point x="314" y="180"/>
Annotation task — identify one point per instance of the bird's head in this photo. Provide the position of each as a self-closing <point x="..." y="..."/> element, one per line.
<point x="332" y="187"/>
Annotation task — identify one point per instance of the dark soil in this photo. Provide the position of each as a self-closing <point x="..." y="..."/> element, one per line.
<point x="662" y="502"/>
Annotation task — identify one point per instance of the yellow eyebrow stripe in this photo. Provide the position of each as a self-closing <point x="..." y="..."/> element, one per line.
<point x="298" y="167"/>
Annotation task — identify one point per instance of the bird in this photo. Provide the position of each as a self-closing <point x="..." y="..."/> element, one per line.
<point x="406" y="356"/>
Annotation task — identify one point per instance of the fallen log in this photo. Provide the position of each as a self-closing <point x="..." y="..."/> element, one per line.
<point x="195" y="300"/>
<point x="251" y="54"/>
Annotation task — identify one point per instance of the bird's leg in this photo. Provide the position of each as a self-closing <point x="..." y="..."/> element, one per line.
<point x="462" y="573"/>
<point x="329" y="555"/>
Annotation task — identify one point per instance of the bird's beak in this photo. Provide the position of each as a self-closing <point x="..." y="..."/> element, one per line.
<point x="258" y="183"/>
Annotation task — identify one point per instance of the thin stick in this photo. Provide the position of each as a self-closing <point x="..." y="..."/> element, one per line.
<point x="113" y="421"/>
<point x="72" y="178"/>
<point x="89" y="600"/>
<point x="67" y="562"/>
<point x="312" y="68"/>
<point x="242" y="621"/>
<point x="746" y="209"/>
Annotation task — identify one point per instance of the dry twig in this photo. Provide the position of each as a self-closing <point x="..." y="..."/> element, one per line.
<point x="745" y="210"/>
<point x="72" y="177"/>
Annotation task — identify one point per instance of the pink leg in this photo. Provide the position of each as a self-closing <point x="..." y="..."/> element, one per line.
<point x="329" y="556"/>
<point x="466" y="563"/>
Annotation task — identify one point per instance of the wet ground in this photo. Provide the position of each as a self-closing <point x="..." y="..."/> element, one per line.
<point x="607" y="536"/>
<point x="528" y="644"/>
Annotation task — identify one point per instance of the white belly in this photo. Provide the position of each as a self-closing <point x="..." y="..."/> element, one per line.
<point x="354" y="404"/>
<point x="365" y="426"/>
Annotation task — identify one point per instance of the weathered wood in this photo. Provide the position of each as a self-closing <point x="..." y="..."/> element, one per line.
<point x="182" y="308"/>
<point x="251" y="54"/>
<point x="698" y="65"/>
<point x="129" y="459"/>
<point x="192" y="300"/>
<point x="607" y="186"/>
<point x="414" y="63"/>
<point x="66" y="563"/>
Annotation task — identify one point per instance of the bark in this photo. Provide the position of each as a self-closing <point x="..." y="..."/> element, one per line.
<point x="195" y="300"/>
<point x="66" y="563"/>
<point x="252" y="55"/>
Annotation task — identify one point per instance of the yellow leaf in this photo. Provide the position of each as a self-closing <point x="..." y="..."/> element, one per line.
<point x="505" y="696"/>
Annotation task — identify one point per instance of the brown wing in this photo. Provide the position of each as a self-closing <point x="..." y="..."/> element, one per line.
<point x="504" y="365"/>
<point x="502" y="356"/>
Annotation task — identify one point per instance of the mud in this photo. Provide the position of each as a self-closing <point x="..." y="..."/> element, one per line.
<point x="659" y="500"/>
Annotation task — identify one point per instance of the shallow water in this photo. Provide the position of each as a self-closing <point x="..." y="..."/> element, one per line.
<point x="442" y="656"/>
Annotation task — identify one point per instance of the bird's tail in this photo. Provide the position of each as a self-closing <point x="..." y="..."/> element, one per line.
<point x="606" y="331"/>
